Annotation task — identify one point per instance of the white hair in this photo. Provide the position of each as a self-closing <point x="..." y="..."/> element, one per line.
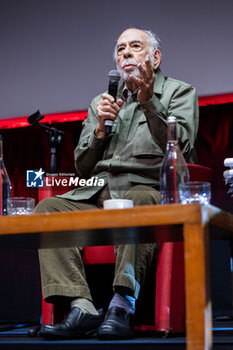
<point x="154" y="42"/>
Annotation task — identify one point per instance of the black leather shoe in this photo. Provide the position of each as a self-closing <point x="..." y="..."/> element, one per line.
<point x="118" y="324"/>
<point x="76" y="325"/>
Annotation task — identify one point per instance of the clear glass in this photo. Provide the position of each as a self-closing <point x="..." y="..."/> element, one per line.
<point x="5" y="184"/>
<point x="174" y="169"/>
<point x="195" y="192"/>
<point x="20" y="206"/>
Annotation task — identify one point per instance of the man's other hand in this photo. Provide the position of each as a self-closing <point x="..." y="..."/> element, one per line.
<point x="145" y="84"/>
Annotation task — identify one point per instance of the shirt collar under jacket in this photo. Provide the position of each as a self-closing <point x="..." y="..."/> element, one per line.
<point x="127" y="94"/>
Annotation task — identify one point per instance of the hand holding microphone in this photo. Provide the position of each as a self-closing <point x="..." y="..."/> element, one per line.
<point x="114" y="78"/>
<point x="108" y="108"/>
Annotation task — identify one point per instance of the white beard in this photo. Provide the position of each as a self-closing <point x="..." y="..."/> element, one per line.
<point x="126" y="75"/>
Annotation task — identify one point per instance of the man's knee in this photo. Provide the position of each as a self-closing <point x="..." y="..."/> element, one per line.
<point x="143" y="195"/>
<point x="58" y="204"/>
<point x="51" y="204"/>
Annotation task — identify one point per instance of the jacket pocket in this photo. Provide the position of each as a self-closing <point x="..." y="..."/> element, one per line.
<point x="144" y="144"/>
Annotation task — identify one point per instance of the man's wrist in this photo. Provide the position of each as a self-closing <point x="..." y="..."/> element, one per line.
<point x="99" y="133"/>
<point x="147" y="106"/>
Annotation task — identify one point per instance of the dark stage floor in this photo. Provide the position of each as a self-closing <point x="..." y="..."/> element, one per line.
<point x="18" y="339"/>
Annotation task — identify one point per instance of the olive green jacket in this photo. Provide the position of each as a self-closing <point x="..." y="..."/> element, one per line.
<point x="133" y="153"/>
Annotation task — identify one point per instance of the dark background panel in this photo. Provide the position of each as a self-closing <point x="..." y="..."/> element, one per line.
<point x="56" y="54"/>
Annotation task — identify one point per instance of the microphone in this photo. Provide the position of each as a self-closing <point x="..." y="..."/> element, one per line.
<point x="55" y="138"/>
<point x="35" y="118"/>
<point x="114" y="77"/>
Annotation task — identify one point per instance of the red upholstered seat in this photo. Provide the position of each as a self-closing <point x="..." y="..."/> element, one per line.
<point x="99" y="255"/>
<point x="169" y="296"/>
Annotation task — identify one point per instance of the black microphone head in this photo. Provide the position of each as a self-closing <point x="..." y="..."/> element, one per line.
<point x="114" y="75"/>
<point x="34" y="118"/>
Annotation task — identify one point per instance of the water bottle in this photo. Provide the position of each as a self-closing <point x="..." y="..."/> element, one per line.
<point x="228" y="174"/>
<point x="174" y="169"/>
<point x="5" y="184"/>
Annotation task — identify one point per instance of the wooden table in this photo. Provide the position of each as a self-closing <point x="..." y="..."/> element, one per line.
<point x="136" y="225"/>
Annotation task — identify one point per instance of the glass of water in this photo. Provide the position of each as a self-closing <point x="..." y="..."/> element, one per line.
<point x="20" y="205"/>
<point x="195" y="192"/>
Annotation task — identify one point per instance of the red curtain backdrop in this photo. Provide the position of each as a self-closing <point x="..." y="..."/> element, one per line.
<point x="27" y="148"/>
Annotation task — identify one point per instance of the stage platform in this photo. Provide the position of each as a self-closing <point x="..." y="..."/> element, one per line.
<point x="18" y="339"/>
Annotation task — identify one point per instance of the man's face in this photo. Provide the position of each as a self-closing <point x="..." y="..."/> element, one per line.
<point x="132" y="48"/>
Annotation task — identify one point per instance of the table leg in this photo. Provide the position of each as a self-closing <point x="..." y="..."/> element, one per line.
<point x="197" y="286"/>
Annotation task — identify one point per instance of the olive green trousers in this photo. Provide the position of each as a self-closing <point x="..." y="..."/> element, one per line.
<point x="62" y="269"/>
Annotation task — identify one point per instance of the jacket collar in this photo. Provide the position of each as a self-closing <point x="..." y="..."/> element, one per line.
<point x="159" y="81"/>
